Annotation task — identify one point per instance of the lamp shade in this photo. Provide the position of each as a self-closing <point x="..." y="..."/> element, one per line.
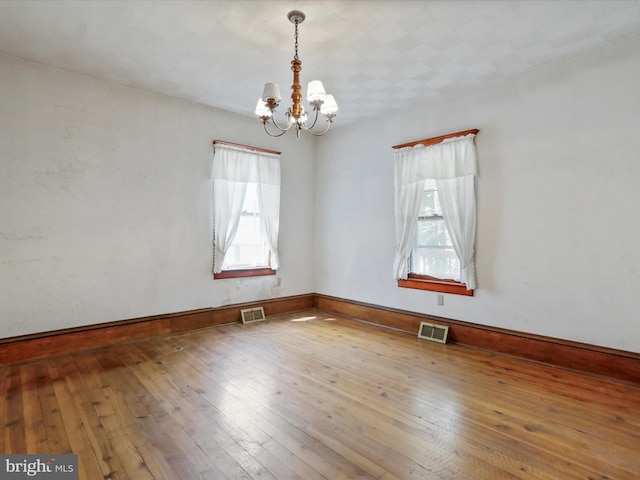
<point x="329" y="107"/>
<point x="262" y="110"/>
<point x="315" y="91"/>
<point x="271" y="91"/>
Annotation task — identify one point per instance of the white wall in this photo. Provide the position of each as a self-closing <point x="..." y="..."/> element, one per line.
<point x="558" y="193"/>
<point x="105" y="211"/>
<point x="105" y="202"/>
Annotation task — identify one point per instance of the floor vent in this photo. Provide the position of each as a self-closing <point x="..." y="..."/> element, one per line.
<point x="435" y="333"/>
<point x="251" y="315"/>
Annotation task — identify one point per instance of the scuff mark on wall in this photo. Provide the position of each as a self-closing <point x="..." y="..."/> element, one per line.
<point x="17" y="237"/>
<point x="61" y="175"/>
<point x="23" y="261"/>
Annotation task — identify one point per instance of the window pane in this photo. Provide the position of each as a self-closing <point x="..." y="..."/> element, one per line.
<point x="436" y="262"/>
<point x="248" y="249"/>
<point x="432" y="233"/>
<point x="433" y="252"/>
<point x="430" y="204"/>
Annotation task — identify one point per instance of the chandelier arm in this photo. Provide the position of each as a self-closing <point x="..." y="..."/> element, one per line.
<point x="319" y="134"/>
<point x="282" y="129"/>
<point x="315" y="119"/>
<point x="282" y="132"/>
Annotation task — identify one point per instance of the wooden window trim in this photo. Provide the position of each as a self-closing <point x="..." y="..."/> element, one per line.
<point x="435" y="140"/>
<point x="425" y="282"/>
<point x="246" y="147"/>
<point x="246" y="272"/>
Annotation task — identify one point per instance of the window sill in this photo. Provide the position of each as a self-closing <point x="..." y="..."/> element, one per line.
<point x="423" y="282"/>
<point x="249" y="272"/>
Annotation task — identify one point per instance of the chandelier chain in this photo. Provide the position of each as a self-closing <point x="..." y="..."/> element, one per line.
<point x="296" y="41"/>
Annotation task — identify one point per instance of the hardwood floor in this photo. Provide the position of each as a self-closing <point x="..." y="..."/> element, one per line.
<point x="313" y="396"/>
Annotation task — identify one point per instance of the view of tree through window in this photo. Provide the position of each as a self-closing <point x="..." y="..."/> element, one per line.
<point x="433" y="252"/>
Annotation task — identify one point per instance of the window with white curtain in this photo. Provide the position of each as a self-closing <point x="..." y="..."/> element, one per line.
<point x="435" y="209"/>
<point x="433" y="253"/>
<point x="249" y="248"/>
<point x="246" y="209"/>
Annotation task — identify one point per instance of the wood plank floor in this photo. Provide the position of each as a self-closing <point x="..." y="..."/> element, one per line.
<point x="312" y="396"/>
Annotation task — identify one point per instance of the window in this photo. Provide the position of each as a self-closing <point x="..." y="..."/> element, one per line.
<point x="436" y="214"/>
<point x="433" y="253"/>
<point x="249" y="248"/>
<point x="246" y="205"/>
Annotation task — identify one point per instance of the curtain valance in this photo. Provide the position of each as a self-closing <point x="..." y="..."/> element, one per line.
<point x="454" y="157"/>
<point x="234" y="164"/>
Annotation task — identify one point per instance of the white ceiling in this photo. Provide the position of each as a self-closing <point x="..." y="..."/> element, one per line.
<point x="372" y="55"/>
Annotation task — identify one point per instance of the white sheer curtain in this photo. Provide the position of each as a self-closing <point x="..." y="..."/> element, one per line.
<point x="407" y="206"/>
<point x="453" y="164"/>
<point x="233" y="169"/>
<point x="269" y="202"/>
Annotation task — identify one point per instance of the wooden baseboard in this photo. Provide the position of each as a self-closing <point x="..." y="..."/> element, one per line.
<point x="593" y="359"/>
<point x="64" y="342"/>
<point x="588" y="358"/>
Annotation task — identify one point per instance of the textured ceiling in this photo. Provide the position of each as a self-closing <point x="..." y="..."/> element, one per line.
<point x="374" y="56"/>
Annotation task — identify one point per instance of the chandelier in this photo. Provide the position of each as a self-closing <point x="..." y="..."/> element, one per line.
<point x="297" y="116"/>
